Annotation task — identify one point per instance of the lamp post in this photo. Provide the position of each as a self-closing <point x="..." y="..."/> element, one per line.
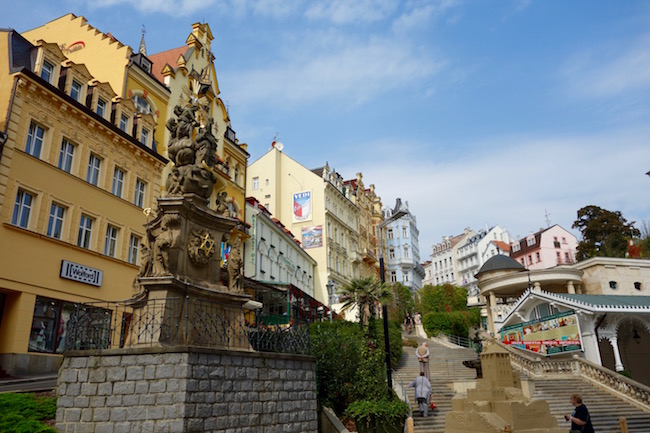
<point x="384" y="310"/>
<point x="330" y="293"/>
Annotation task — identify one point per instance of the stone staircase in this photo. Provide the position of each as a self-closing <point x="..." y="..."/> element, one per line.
<point x="446" y="367"/>
<point x="605" y="409"/>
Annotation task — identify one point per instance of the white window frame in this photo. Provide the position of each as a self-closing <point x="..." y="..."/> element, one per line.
<point x="118" y="182"/>
<point x="134" y="248"/>
<point x="66" y="156"/>
<point x="84" y="238"/>
<point x="256" y="183"/>
<point x="56" y="221"/>
<point x="124" y="122"/>
<point x="141" y="104"/>
<point x="35" y="140"/>
<point x="140" y="191"/>
<point x="389" y="234"/>
<point x="144" y="136"/>
<point x="110" y="245"/>
<point x="101" y="107"/>
<point x="94" y="169"/>
<point x="23" y="208"/>
<point x="47" y="71"/>
<point x="75" y="90"/>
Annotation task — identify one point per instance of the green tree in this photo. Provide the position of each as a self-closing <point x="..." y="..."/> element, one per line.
<point x="442" y="298"/>
<point x="604" y="233"/>
<point x="401" y="303"/>
<point x="365" y="293"/>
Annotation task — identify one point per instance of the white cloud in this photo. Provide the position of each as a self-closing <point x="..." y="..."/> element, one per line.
<point x="345" y="71"/>
<point x="610" y="71"/>
<point x="512" y="182"/>
<point x="350" y="11"/>
<point x="419" y="13"/>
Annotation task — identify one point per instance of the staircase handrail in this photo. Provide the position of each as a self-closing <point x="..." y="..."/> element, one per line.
<point x="400" y="389"/>
<point x="630" y="390"/>
<point x="458" y="340"/>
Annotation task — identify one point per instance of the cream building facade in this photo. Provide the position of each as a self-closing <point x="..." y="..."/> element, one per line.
<point x="314" y="206"/>
<point x="73" y="187"/>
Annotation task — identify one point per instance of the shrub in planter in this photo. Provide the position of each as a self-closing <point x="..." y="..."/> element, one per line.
<point x="379" y="416"/>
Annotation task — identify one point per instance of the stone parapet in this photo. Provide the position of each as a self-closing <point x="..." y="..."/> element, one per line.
<point x="186" y="389"/>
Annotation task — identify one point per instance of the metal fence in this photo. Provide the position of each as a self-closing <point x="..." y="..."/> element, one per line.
<point x="178" y="321"/>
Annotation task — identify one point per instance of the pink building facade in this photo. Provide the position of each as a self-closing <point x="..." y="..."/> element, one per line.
<point x="545" y="249"/>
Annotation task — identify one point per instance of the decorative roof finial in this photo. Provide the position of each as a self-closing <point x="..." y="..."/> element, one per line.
<point x="143" y="47"/>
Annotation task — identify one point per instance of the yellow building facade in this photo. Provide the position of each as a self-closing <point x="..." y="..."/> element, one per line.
<point x="108" y="60"/>
<point x="73" y="187"/>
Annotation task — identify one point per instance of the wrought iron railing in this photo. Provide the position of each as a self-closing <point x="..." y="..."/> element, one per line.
<point x="178" y="321"/>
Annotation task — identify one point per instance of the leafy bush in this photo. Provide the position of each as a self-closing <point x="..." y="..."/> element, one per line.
<point x="453" y="322"/>
<point x="373" y="412"/>
<point x="337" y="348"/>
<point x="24" y="413"/>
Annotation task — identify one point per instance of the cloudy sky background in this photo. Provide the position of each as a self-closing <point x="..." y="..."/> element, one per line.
<point x="474" y="112"/>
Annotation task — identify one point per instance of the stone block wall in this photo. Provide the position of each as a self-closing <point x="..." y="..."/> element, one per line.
<point x="176" y="390"/>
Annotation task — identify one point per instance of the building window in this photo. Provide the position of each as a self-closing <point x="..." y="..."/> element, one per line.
<point x="266" y="182"/>
<point x="124" y="122"/>
<point x="613" y="285"/>
<point x="537" y="256"/>
<point x="75" y="90"/>
<point x="393" y="276"/>
<point x="140" y="188"/>
<point x="110" y="246"/>
<point x="141" y="104"/>
<point x="637" y="285"/>
<point x="236" y="174"/>
<point x="530" y="259"/>
<point x="94" y="165"/>
<point x="405" y="232"/>
<point x="256" y="183"/>
<point x="55" y="223"/>
<point x="101" y="107"/>
<point x="566" y="258"/>
<point x="118" y="182"/>
<point x="564" y="240"/>
<point x="35" y="138"/>
<point x="407" y="252"/>
<point x="134" y="247"/>
<point x="389" y="234"/>
<point x="516" y="247"/>
<point x="22" y="209"/>
<point x="47" y="71"/>
<point x="391" y="253"/>
<point x="49" y="324"/>
<point x="66" y="156"/>
<point x="530" y="241"/>
<point x="406" y="278"/>
<point x="85" y="231"/>
<point x="144" y="136"/>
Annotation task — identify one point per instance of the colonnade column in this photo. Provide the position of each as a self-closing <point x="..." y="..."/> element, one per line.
<point x="570" y="288"/>
<point x="491" y="303"/>
<point x="618" y="366"/>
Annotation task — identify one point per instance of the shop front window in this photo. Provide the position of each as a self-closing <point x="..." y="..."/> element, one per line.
<point x="49" y="325"/>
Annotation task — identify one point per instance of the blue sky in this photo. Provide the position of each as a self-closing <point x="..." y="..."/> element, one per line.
<point x="474" y="112"/>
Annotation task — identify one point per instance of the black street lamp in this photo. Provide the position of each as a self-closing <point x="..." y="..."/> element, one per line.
<point x="384" y="311"/>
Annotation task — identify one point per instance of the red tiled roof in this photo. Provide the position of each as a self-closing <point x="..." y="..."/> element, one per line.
<point x="502" y="245"/>
<point x="170" y="57"/>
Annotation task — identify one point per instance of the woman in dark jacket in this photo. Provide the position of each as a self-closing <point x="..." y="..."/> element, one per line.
<point x="580" y="420"/>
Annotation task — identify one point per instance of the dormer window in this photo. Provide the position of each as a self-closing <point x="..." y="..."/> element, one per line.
<point x="144" y="136"/>
<point x="124" y="122"/>
<point x="101" y="107"/>
<point x="47" y="71"/>
<point x="75" y="90"/>
<point x="530" y="241"/>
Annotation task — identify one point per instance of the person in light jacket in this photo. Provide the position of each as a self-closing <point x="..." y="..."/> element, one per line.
<point x="423" y="357"/>
<point x="422" y="393"/>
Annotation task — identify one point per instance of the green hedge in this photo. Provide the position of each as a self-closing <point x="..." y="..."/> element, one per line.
<point x="452" y="322"/>
<point x="24" y="413"/>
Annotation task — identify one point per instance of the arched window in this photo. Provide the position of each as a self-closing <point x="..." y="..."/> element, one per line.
<point x="141" y="104"/>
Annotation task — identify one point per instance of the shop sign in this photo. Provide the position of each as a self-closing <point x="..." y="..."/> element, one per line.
<point x="81" y="273"/>
<point x="551" y="335"/>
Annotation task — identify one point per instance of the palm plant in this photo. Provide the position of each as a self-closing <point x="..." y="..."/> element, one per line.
<point x="365" y="293"/>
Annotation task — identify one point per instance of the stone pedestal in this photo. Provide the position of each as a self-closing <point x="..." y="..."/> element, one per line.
<point x="497" y="404"/>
